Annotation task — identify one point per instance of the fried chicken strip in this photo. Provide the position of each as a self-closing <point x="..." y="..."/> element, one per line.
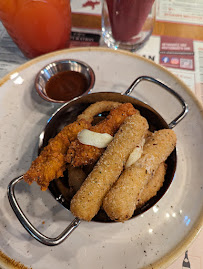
<point x="120" y="201"/>
<point x="50" y="164"/>
<point x="79" y="154"/>
<point x="88" y="200"/>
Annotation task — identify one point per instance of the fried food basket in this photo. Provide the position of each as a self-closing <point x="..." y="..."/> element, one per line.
<point x="68" y="113"/>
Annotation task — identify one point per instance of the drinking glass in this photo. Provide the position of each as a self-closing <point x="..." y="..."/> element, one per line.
<point x="37" y="27"/>
<point x="127" y="24"/>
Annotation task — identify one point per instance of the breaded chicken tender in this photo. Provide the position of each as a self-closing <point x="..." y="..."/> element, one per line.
<point x="79" y="154"/>
<point x="88" y="200"/>
<point x="120" y="202"/>
<point x="50" y="164"/>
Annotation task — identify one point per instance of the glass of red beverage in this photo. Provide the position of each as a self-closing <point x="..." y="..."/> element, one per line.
<point x="127" y="24"/>
<point x="37" y="26"/>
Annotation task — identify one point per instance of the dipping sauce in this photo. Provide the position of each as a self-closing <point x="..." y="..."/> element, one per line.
<point x="66" y="85"/>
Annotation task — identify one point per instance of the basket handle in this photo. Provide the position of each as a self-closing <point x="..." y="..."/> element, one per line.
<point x="29" y="227"/>
<point x="174" y="122"/>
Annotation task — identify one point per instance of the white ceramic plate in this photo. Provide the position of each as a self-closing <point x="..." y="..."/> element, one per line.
<point x="152" y="240"/>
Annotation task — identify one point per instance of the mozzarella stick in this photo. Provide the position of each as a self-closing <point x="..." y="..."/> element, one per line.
<point x="153" y="186"/>
<point x="120" y="201"/>
<point x="88" y="200"/>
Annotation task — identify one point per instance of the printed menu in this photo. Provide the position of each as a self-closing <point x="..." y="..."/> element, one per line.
<point x="186" y="11"/>
<point x="182" y="56"/>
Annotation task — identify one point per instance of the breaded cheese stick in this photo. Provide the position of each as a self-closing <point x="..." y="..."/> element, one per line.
<point x="88" y="200"/>
<point x="153" y="186"/>
<point x="120" y="201"/>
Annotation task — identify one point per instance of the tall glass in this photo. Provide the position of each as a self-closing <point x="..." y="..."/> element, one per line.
<point x="127" y="24"/>
<point x="37" y="26"/>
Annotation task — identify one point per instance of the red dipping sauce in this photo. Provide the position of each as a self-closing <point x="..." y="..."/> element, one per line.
<point x="66" y="85"/>
<point x="127" y="17"/>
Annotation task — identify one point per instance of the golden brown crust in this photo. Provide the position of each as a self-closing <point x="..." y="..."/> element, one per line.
<point x="153" y="186"/>
<point x="120" y="201"/>
<point x="9" y="263"/>
<point x="96" y="108"/>
<point x="79" y="154"/>
<point x="88" y="200"/>
<point x="50" y="164"/>
<point x="156" y="149"/>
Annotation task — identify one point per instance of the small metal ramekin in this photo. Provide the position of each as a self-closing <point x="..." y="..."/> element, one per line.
<point x="59" y="66"/>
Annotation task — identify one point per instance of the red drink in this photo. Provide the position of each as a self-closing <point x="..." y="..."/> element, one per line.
<point x="127" y="17"/>
<point x="37" y="26"/>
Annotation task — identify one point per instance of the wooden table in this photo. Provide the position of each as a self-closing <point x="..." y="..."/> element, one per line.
<point x="160" y="28"/>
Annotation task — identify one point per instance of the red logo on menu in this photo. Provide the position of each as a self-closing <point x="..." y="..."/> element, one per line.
<point x="174" y="61"/>
<point x="91" y="4"/>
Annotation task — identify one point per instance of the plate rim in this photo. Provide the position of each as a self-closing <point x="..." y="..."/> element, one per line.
<point x="174" y="253"/>
<point x="101" y="49"/>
